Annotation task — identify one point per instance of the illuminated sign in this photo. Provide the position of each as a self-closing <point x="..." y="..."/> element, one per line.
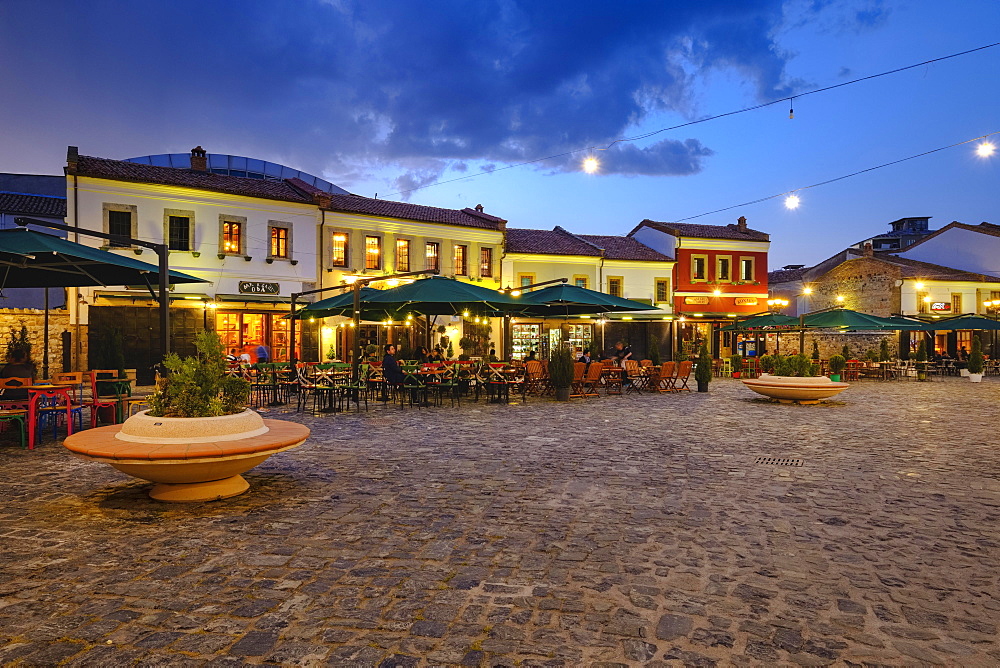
<point x="259" y="288"/>
<point x="746" y="301"/>
<point x="941" y="306"/>
<point x="696" y="300"/>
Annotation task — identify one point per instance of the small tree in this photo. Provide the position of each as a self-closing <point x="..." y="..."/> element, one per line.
<point x="736" y="363"/>
<point x="703" y="374"/>
<point x="976" y="356"/>
<point x="837" y="364"/>
<point x="18" y="344"/>
<point x="767" y="363"/>
<point x="654" y="354"/>
<point x="846" y="352"/>
<point x="922" y="355"/>
<point x="561" y="368"/>
<point x="815" y="350"/>
<point x="884" y="353"/>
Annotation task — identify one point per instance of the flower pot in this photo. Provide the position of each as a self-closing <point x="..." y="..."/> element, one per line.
<point x="835" y="377"/>
<point x="562" y="394"/>
<point x="703" y="386"/>
<point x="737" y="374"/>
<point x="921" y="375"/>
<point x="976" y="377"/>
<point x="963" y="372"/>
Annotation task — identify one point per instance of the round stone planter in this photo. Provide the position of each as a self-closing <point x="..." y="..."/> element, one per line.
<point x="190" y="459"/>
<point x="794" y="389"/>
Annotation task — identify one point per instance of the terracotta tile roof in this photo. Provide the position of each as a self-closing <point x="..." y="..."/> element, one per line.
<point x="407" y="211"/>
<point x="559" y="241"/>
<point x="917" y="269"/>
<point x="625" y="248"/>
<point x="32" y="205"/>
<point x="120" y="170"/>
<point x="785" y="275"/>
<point x="704" y="231"/>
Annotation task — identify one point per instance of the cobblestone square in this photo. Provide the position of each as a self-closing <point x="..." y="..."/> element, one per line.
<point x="620" y="531"/>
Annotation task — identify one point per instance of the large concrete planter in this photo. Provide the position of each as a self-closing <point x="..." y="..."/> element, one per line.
<point x="190" y="459"/>
<point x="795" y="389"/>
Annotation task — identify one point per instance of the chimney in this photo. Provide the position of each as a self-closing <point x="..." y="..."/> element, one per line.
<point x="479" y="208"/>
<point x="72" y="158"/>
<point x="868" y="250"/>
<point x="741" y="224"/>
<point x="199" y="161"/>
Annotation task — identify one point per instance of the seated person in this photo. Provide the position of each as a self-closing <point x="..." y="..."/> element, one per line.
<point x="585" y="357"/>
<point x="390" y="367"/>
<point x="18" y="366"/>
<point x="436" y="356"/>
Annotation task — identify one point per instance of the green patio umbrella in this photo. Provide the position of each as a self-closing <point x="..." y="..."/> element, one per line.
<point x="30" y="259"/>
<point x="844" y="319"/>
<point x="565" y="300"/>
<point x="438" y="295"/>
<point x="901" y="323"/>
<point x="964" y="322"/>
<point x="342" y="304"/>
<point x="762" y="321"/>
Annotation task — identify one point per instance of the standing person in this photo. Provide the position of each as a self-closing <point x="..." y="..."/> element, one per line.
<point x="623" y="352"/>
<point x="263" y="354"/>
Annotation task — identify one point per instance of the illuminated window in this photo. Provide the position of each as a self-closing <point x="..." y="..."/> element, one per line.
<point x="699" y="267"/>
<point x="432" y="251"/>
<point x="373" y="252"/>
<point x="580" y="281"/>
<point x="119" y="222"/>
<point x="746" y="269"/>
<point x="525" y="279"/>
<point x="461" y="261"/>
<point x="615" y="286"/>
<point x="662" y="289"/>
<point x="724" y="268"/>
<point x="279" y="242"/>
<point x="486" y="262"/>
<point x="402" y="254"/>
<point x="232" y="237"/>
<point x="338" y="250"/>
<point x="922" y="304"/>
<point x="179" y="233"/>
<point x="956" y="303"/>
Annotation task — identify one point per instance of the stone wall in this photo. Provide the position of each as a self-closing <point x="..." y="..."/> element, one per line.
<point x="831" y="343"/>
<point x="867" y="284"/>
<point x="34" y="319"/>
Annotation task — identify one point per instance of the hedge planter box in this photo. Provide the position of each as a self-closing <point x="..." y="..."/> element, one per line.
<point x="795" y="389"/>
<point x="190" y="459"/>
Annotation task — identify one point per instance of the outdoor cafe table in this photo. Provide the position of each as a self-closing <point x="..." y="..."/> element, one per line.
<point x="122" y="388"/>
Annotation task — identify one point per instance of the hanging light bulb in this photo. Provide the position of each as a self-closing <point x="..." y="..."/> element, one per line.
<point x="590" y="165"/>
<point x="985" y="149"/>
<point x="791" y="110"/>
<point x="792" y="202"/>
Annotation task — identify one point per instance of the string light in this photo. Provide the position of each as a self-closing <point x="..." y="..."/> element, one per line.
<point x="985" y="149"/>
<point x="791" y="109"/>
<point x="702" y="120"/>
<point x="590" y="165"/>
<point x="792" y="202"/>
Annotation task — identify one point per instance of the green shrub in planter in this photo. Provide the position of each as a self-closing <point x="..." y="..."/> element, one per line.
<point x="921" y="359"/>
<point x="703" y="374"/>
<point x="837" y="364"/>
<point x="561" y="368"/>
<point x="846" y="352"/>
<point x="803" y="366"/>
<point x="884" y="354"/>
<point x="198" y="386"/>
<point x="654" y="354"/>
<point x="976" y="356"/>
<point x="815" y="350"/>
<point x="767" y="363"/>
<point x="736" y="362"/>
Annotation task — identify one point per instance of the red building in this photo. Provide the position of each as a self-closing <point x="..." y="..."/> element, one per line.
<point x="721" y="274"/>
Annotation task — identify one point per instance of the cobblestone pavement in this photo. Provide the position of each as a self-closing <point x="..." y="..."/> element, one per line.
<point x="632" y="530"/>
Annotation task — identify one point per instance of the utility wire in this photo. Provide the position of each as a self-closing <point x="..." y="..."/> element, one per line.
<point x="838" y="178"/>
<point x="702" y="120"/>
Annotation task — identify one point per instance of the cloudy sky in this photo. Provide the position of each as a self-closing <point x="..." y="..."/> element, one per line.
<point x="389" y="97"/>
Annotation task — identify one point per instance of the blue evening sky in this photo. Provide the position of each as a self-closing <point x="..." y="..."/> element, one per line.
<point x="381" y="96"/>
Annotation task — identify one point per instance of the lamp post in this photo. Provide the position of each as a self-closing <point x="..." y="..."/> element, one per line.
<point x="993" y="308"/>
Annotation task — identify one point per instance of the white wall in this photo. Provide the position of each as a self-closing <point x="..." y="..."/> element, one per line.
<point x="960" y="249"/>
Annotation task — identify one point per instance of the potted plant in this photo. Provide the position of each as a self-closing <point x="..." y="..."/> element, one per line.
<point x="736" y="363"/>
<point x="654" y="354"/>
<point x="815" y="355"/>
<point x="884" y="355"/>
<point x="976" y="361"/>
<point x="921" y="359"/>
<point x="846" y="352"/>
<point x="703" y="374"/>
<point x="766" y="363"/>
<point x="561" y="372"/>
<point x="837" y="365"/>
<point x="198" y="425"/>
<point x="793" y="380"/>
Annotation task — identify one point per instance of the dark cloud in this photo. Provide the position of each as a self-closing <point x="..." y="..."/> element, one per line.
<point x="353" y="88"/>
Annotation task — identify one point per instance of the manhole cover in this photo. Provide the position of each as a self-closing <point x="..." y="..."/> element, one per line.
<point x="778" y="461"/>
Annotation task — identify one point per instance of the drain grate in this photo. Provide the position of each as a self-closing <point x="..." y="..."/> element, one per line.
<point x="778" y="461"/>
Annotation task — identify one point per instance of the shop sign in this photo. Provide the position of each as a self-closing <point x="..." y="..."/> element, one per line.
<point x="746" y="301"/>
<point x="941" y="306"/>
<point x="259" y="288"/>
<point x="696" y="300"/>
